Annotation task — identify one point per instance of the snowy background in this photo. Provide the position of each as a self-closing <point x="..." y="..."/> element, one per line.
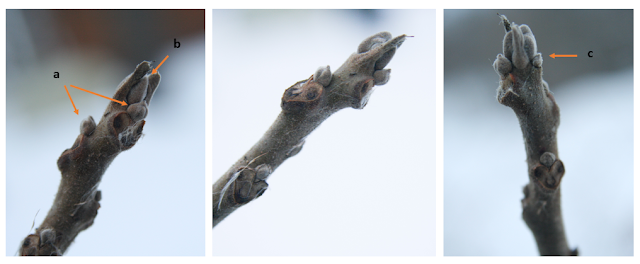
<point x="364" y="182"/>
<point x="484" y="155"/>
<point x="153" y="194"/>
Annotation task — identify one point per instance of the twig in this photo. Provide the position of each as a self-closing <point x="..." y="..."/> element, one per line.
<point x="305" y="105"/>
<point x="523" y="89"/>
<point x="82" y="166"/>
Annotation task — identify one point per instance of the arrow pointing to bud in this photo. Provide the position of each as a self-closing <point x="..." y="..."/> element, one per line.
<point x="562" y="55"/>
<point x="74" y="105"/>
<point x="156" y="69"/>
<point x="120" y="102"/>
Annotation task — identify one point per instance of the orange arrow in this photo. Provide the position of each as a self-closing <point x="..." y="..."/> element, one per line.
<point x="120" y="102"/>
<point x="74" y="105"/>
<point x="156" y="69"/>
<point x="559" y="55"/>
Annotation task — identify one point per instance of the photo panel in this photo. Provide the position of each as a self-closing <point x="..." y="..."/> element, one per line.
<point x="95" y="167"/>
<point x="297" y="170"/>
<point x="536" y="100"/>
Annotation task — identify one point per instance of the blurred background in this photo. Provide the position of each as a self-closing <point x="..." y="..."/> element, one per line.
<point x="484" y="155"/>
<point x="364" y="182"/>
<point x="152" y="195"/>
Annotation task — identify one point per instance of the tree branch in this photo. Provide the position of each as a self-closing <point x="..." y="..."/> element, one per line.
<point x="305" y="105"/>
<point x="82" y="166"/>
<point x="523" y="89"/>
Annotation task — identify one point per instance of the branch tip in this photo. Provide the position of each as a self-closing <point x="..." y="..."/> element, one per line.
<point x="82" y="166"/>
<point x="523" y="90"/>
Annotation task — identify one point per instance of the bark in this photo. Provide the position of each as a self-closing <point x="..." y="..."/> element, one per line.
<point x="305" y="105"/>
<point x="77" y="202"/>
<point x="523" y="90"/>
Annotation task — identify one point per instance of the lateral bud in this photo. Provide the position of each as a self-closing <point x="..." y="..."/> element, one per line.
<point x="303" y="95"/>
<point x="87" y="126"/>
<point x="323" y="76"/>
